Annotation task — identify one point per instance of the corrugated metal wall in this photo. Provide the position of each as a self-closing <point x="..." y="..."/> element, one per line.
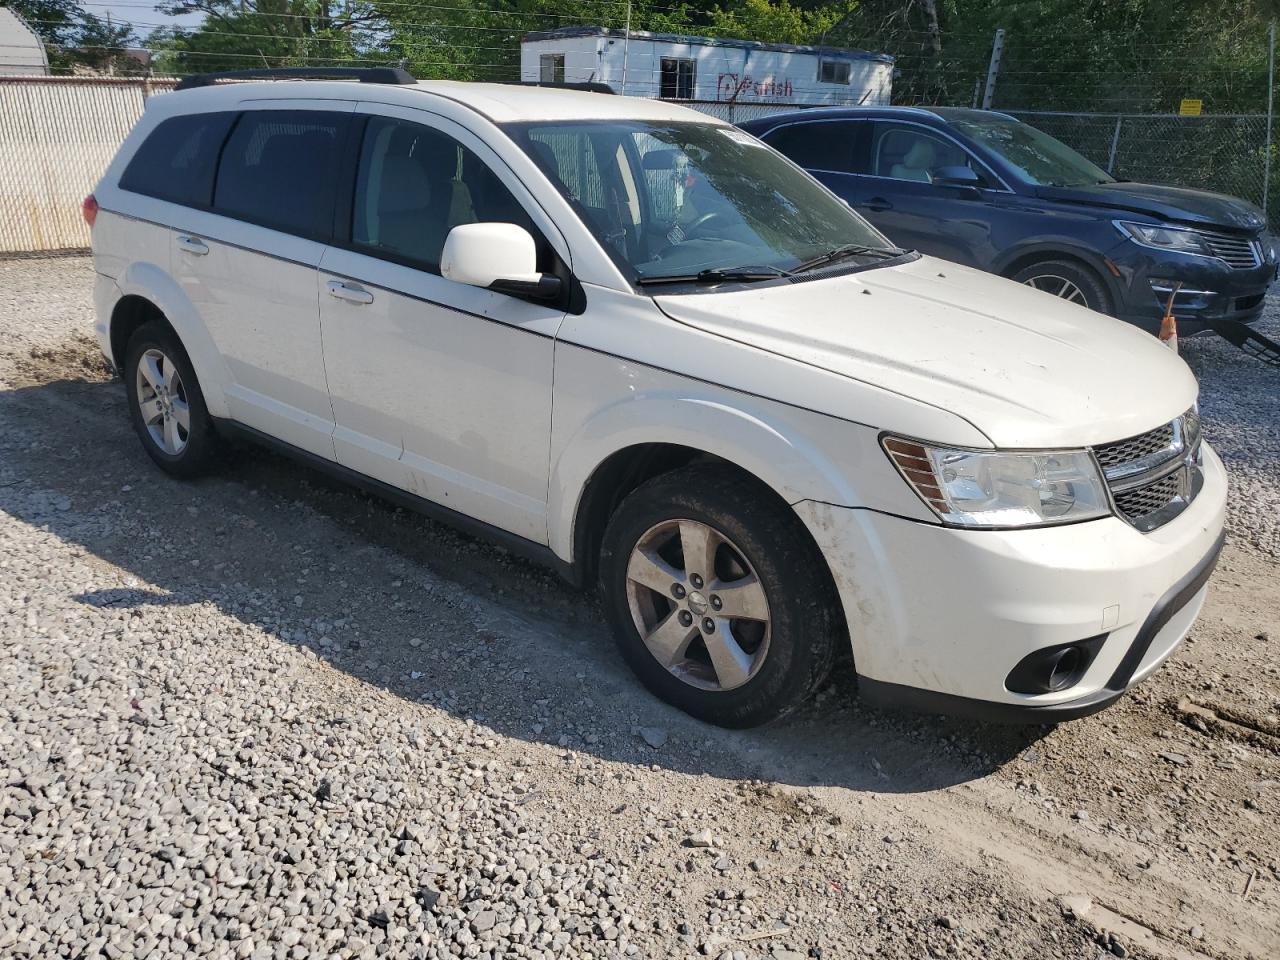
<point x="57" y="136"/>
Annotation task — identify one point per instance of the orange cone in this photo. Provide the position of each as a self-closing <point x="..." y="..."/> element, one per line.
<point x="1169" y="323"/>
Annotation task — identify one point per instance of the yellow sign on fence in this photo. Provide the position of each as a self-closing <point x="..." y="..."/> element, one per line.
<point x="1190" y="108"/>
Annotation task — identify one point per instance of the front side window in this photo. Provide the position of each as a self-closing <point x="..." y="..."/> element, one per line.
<point x="816" y="145"/>
<point x="903" y="152"/>
<point x="676" y="80"/>
<point x="414" y="184"/>
<point x="669" y="199"/>
<point x="1040" y="158"/>
<point x="551" y="68"/>
<point x="279" y="170"/>
<point x="177" y="160"/>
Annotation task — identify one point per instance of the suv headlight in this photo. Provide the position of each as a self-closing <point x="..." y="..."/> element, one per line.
<point x="990" y="488"/>
<point x="1177" y="239"/>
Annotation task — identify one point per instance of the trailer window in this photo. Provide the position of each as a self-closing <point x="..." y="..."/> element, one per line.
<point x="551" y="68"/>
<point x="677" y="79"/>
<point x="833" y="71"/>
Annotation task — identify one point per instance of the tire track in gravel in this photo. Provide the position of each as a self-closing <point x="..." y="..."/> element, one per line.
<point x="944" y="793"/>
<point x="914" y="780"/>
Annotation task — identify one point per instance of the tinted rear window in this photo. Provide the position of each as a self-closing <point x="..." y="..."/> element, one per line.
<point x="279" y="170"/>
<point x="177" y="160"/>
<point x="826" y="145"/>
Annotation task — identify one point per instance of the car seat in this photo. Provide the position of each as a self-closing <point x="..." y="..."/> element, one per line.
<point x="919" y="160"/>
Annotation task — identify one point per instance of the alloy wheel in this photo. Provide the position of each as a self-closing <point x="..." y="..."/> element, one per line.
<point x="1059" y="287"/>
<point x="162" y="401"/>
<point x="698" y="605"/>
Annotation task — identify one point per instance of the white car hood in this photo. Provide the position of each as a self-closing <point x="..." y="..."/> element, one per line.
<point x="1025" y="368"/>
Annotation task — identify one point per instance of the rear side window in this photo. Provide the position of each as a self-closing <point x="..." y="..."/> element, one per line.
<point x="816" y="146"/>
<point x="177" y="160"/>
<point x="279" y="170"/>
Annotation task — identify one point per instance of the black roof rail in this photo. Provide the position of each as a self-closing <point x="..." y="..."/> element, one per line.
<point x="588" y="86"/>
<point x="388" y="75"/>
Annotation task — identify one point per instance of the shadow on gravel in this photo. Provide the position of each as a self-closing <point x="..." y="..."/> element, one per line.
<point x="430" y="615"/>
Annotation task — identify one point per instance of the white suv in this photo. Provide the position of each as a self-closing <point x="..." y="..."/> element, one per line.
<point x="637" y="343"/>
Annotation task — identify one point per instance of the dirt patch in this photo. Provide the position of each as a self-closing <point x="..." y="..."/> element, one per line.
<point x="78" y="359"/>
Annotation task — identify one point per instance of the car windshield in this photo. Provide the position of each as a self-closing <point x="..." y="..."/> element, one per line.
<point x="1040" y="158"/>
<point x="695" y="201"/>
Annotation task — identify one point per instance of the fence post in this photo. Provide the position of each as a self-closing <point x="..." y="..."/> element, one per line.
<point x="997" y="47"/>
<point x="626" y="51"/>
<point x="1271" y="86"/>
<point x="1115" y="142"/>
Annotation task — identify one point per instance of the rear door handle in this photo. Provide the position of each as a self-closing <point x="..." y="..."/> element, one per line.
<point x="193" y="245"/>
<point x="349" y="291"/>
<point x="878" y="203"/>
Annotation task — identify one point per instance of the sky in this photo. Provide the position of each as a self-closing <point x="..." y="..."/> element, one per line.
<point x="141" y="13"/>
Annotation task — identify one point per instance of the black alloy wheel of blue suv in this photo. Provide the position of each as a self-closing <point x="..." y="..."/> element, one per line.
<point x="988" y="191"/>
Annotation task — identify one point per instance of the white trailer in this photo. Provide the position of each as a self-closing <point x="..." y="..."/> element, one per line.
<point x="707" y="70"/>
<point x="21" y="50"/>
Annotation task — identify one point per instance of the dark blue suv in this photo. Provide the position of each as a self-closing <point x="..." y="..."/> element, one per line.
<point x="989" y="191"/>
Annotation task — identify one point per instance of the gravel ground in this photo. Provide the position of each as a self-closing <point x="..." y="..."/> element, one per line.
<point x="263" y="716"/>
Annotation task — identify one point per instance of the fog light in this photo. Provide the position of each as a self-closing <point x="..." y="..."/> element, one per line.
<point x="1056" y="668"/>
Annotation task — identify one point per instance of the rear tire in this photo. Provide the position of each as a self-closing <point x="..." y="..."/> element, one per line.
<point x="682" y="554"/>
<point x="1069" y="281"/>
<point x="166" y="405"/>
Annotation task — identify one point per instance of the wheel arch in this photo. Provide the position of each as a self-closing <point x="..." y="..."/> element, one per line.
<point x="626" y="444"/>
<point x="1022" y="257"/>
<point x="626" y="469"/>
<point x="147" y="292"/>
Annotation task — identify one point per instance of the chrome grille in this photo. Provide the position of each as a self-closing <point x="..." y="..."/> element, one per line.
<point x="1142" y="502"/>
<point x="1241" y="253"/>
<point x="1154" y="476"/>
<point x="1135" y="448"/>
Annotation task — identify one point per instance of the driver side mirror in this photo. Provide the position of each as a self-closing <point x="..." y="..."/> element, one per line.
<point x="958" y="176"/>
<point x="496" y="256"/>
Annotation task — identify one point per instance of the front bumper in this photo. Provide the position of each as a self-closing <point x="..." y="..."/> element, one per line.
<point x="939" y="617"/>
<point x="1210" y="290"/>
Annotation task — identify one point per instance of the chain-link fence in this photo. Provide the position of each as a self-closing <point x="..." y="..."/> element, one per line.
<point x="1224" y="153"/>
<point x="735" y="112"/>
<point x="57" y="136"/>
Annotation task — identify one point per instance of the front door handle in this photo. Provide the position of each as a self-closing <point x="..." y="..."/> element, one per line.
<point x="876" y="204"/>
<point x="193" y="245"/>
<point x="349" y="291"/>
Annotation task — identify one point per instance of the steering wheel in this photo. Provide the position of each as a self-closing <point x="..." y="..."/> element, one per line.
<point x="696" y="226"/>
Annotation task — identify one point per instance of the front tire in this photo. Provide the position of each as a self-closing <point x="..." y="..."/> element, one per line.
<point x="719" y="601"/>
<point x="1068" y="281"/>
<point x="166" y="405"/>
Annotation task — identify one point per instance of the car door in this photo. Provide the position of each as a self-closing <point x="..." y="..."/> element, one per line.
<point x="248" y="264"/>
<point x="898" y="164"/>
<point x="825" y="148"/>
<point x="438" y="388"/>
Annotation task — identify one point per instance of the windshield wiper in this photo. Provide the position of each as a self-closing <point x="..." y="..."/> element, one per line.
<point x="732" y="275"/>
<point x="845" y="251"/>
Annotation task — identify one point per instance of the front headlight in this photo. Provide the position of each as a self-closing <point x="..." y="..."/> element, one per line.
<point x="1177" y="239"/>
<point x="981" y="488"/>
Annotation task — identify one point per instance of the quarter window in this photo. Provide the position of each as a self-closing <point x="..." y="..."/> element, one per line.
<point x="415" y="184"/>
<point x="676" y="79"/>
<point x="177" y="160"/>
<point x="279" y="170"/>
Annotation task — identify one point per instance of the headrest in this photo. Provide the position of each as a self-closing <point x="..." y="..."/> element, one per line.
<point x="405" y="184"/>
<point x="921" y="155"/>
